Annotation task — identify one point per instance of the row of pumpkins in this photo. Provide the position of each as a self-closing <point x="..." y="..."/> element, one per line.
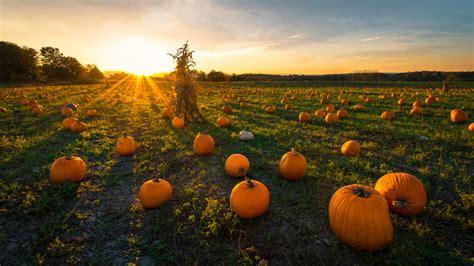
<point x="358" y="214"/>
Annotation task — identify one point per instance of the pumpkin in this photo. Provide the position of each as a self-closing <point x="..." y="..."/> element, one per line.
<point x="458" y="115"/>
<point x="167" y="113"/>
<point x="358" y="107"/>
<point x="243" y="104"/>
<point x="177" y="122"/>
<point x="223" y="121"/>
<point x="67" y="112"/>
<point x="471" y="127"/>
<point x="430" y="100"/>
<point x="304" y="117"/>
<point x="404" y="193"/>
<point x="249" y="199"/>
<point x="345" y="101"/>
<point x="227" y="109"/>
<point x="3" y="110"/>
<point x="402" y="101"/>
<point x="270" y="109"/>
<point x="330" y="109"/>
<point x="331" y="118"/>
<point x="91" y="113"/>
<point x="292" y="165"/>
<point x="387" y="115"/>
<point x="154" y="193"/>
<point x="38" y="109"/>
<point x="67" y="169"/>
<point x="342" y="113"/>
<point x="320" y="113"/>
<point x="79" y="127"/>
<point x="417" y="103"/>
<point x="236" y="165"/>
<point x="203" y="144"/>
<point x="245" y="135"/>
<point x="416" y="110"/>
<point x="125" y="145"/>
<point x="350" y="148"/>
<point x="369" y="100"/>
<point x="68" y="122"/>
<point x="359" y="218"/>
<point x="288" y="107"/>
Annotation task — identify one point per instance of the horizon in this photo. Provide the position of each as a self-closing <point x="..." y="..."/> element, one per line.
<point x="302" y="38"/>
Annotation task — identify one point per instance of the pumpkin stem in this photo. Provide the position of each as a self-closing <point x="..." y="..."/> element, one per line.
<point x="400" y="203"/>
<point x="250" y="184"/>
<point x="69" y="157"/>
<point x="360" y="192"/>
<point x="156" y="179"/>
<point x="293" y="151"/>
<point x="125" y="134"/>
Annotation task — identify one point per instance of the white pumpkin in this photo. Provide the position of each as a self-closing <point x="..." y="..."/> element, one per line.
<point x="245" y="135"/>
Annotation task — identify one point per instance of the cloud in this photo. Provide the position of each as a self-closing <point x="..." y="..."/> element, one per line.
<point x="296" y="36"/>
<point x="371" y="39"/>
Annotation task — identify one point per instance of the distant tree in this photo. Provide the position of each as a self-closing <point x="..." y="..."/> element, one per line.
<point x="56" y="66"/>
<point x="92" y="72"/>
<point x="216" y="76"/>
<point x="17" y="63"/>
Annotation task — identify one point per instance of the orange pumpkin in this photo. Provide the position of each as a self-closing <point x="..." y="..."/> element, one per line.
<point x="67" y="112"/>
<point x="91" y="113"/>
<point x="37" y="109"/>
<point x="416" y="110"/>
<point x="79" y="127"/>
<point x="288" y="107"/>
<point x="270" y="109"/>
<point x="405" y="194"/>
<point x="249" y="199"/>
<point x="3" y="110"/>
<point x="331" y="118"/>
<point x="417" y="103"/>
<point x="402" y="101"/>
<point x="458" y="116"/>
<point x="358" y="107"/>
<point x="292" y="165"/>
<point x="227" y="109"/>
<point x="154" y="193"/>
<point x="237" y="165"/>
<point x="350" y="148"/>
<point x="125" y="145"/>
<point x="359" y="217"/>
<point x="342" y="113"/>
<point x="304" y="117"/>
<point x="320" y="113"/>
<point x="223" y="121"/>
<point x="471" y="127"/>
<point x="68" y="122"/>
<point x="388" y="115"/>
<point x="177" y="122"/>
<point x="243" y="104"/>
<point x="430" y="100"/>
<point x="330" y="109"/>
<point x="203" y="144"/>
<point x="68" y="169"/>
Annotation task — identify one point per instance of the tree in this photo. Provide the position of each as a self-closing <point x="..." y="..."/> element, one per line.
<point x="17" y="63"/>
<point x="92" y="72"/>
<point x="185" y="86"/>
<point x="56" y="66"/>
<point x="216" y="76"/>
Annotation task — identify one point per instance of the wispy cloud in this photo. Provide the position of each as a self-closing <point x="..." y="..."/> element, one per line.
<point x="371" y="39"/>
<point x="236" y="52"/>
<point x="296" y="36"/>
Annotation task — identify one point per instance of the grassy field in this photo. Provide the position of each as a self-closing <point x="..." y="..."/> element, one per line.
<point x="100" y="221"/>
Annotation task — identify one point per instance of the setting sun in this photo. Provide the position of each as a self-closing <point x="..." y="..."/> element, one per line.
<point x="139" y="56"/>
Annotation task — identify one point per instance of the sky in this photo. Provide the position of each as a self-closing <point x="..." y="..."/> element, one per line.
<point x="250" y="36"/>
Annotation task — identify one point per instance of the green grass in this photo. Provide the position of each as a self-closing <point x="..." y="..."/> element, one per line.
<point x="100" y="220"/>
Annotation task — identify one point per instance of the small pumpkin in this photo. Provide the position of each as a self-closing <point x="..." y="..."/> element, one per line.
<point x="292" y="165"/>
<point x="320" y="113"/>
<point x="227" y="109"/>
<point x="79" y="127"/>
<point x="471" y="127"/>
<point x="245" y="135"/>
<point x="330" y="109"/>
<point x="270" y="109"/>
<point x="331" y="118"/>
<point x="358" y="107"/>
<point x="67" y="169"/>
<point x="416" y="111"/>
<point x="154" y="193"/>
<point x="68" y="122"/>
<point x="249" y="199"/>
<point x="223" y="121"/>
<point x="405" y="194"/>
<point x="350" y="148"/>
<point x="288" y="107"/>
<point x="388" y="115"/>
<point x="402" y="101"/>
<point x="243" y="104"/>
<point x="342" y="113"/>
<point x="3" y="110"/>
<point x="458" y="116"/>
<point x="91" y="113"/>
<point x="430" y="100"/>
<point x="417" y="103"/>
<point x="125" y="145"/>
<point x="359" y="218"/>
<point x="38" y="109"/>
<point x="304" y="117"/>
<point x="177" y="122"/>
<point x="203" y="144"/>
<point x="236" y="165"/>
<point x="67" y="112"/>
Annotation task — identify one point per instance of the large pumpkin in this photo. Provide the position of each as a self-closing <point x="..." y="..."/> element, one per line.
<point x="177" y="122"/>
<point x="249" y="199"/>
<point x="292" y="165"/>
<point x="458" y="115"/>
<point x="68" y="169"/>
<point x="404" y="193"/>
<point x="237" y="165"/>
<point x="68" y="122"/>
<point x="125" y="145"/>
<point x="203" y="144"/>
<point x="304" y="117"/>
<point x="154" y="193"/>
<point x="359" y="217"/>
<point x="350" y="148"/>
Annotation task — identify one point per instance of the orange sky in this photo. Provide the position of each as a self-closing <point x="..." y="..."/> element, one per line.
<point x="272" y="36"/>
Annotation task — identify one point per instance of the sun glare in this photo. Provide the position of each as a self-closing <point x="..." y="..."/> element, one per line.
<point x="138" y="56"/>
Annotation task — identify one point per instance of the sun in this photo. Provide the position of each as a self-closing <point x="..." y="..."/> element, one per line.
<point x="136" y="55"/>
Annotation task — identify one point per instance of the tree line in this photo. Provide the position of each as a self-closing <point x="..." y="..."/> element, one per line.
<point x="417" y="76"/>
<point x="49" y="64"/>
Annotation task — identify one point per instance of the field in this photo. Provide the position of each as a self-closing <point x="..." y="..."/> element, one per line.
<point x="100" y="220"/>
